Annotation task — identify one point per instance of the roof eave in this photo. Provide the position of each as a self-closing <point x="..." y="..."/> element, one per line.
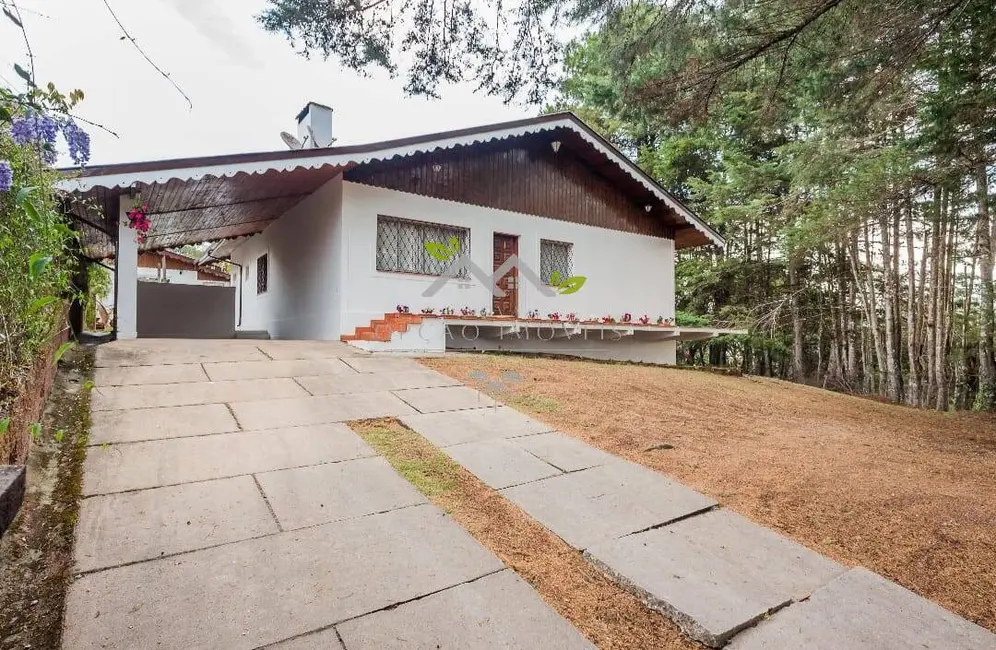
<point x="342" y="158"/>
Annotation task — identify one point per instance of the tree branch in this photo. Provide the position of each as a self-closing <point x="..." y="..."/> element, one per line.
<point x="131" y="38"/>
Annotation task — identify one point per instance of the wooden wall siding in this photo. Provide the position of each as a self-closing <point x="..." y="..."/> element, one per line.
<point x="529" y="180"/>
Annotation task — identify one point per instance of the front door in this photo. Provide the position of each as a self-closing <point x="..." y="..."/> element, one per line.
<point x="505" y="247"/>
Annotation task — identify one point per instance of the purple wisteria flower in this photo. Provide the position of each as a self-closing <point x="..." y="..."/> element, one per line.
<point x="6" y="176"/>
<point x="34" y="128"/>
<point x="78" y="141"/>
<point x="42" y="130"/>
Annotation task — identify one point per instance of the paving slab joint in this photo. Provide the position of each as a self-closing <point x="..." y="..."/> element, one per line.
<point x="303" y="387"/>
<point x="687" y="624"/>
<point x="267" y="502"/>
<point x="395" y="393"/>
<point x="398" y="604"/>
<point x="669" y="522"/>
<point x="231" y="411"/>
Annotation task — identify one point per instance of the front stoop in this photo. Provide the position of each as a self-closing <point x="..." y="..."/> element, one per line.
<point x="381" y="329"/>
<point x="12" y="484"/>
<point x="258" y="335"/>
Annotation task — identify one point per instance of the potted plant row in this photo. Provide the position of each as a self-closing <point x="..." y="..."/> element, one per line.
<point x="469" y="313"/>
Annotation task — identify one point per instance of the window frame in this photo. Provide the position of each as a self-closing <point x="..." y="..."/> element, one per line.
<point x="570" y="259"/>
<point x="262" y="273"/>
<point x="460" y="231"/>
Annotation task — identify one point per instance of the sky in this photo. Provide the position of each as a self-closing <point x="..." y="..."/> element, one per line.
<point x="246" y="85"/>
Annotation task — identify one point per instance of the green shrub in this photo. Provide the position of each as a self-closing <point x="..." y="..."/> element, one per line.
<point x="37" y="264"/>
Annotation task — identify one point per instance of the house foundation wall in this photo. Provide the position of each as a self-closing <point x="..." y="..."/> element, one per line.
<point x="607" y="349"/>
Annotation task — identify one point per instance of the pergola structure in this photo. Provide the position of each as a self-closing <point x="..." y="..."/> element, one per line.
<point x="194" y="200"/>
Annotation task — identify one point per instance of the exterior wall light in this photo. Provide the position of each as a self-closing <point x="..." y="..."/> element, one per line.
<point x="555" y="145"/>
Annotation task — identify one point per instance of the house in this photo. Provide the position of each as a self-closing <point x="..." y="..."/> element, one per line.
<point x="170" y="266"/>
<point x="356" y="242"/>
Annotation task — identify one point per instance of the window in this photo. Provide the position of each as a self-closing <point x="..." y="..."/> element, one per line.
<point x="555" y="256"/>
<point x="401" y="245"/>
<point x="262" y="273"/>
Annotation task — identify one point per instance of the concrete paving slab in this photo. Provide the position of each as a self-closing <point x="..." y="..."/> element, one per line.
<point x="139" y="375"/>
<point x="373" y="364"/>
<point x="208" y="392"/>
<point x="356" y="382"/>
<point x="499" y="463"/>
<point x="140" y="465"/>
<point x="863" y="611"/>
<point x="261" y="591"/>
<point x="151" y="352"/>
<point x="323" y="640"/>
<point x="13" y="481"/>
<point x="564" y="452"/>
<point x="312" y="410"/>
<point x="602" y="503"/>
<point x="307" y="496"/>
<point x="475" y="425"/>
<point x="496" y="611"/>
<point x="285" y="350"/>
<point x="229" y="370"/>
<point x="451" y="398"/>
<point x="715" y="573"/>
<point x="160" y="423"/>
<point x="121" y="528"/>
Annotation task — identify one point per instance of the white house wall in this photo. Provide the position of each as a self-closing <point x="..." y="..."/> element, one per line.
<point x="305" y="286"/>
<point x="626" y="272"/>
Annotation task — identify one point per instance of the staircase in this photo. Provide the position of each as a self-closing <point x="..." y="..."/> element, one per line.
<point x="381" y="329"/>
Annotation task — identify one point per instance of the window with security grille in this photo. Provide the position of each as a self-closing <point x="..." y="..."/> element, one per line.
<point x="555" y="256"/>
<point x="401" y="246"/>
<point x="262" y="273"/>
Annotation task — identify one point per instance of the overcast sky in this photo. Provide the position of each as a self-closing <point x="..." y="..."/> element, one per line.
<point x="246" y="85"/>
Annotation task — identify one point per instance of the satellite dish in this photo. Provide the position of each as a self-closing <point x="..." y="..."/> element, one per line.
<point x="290" y="141"/>
<point x="314" y="141"/>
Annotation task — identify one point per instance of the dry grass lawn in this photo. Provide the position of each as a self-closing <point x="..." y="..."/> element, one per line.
<point x="608" y="616"/>
<point x="907" y="493"/>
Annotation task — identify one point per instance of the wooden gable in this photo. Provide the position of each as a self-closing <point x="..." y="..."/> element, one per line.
<point x="520" y="175"/>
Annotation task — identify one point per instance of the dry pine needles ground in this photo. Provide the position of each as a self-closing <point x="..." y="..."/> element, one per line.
<point x="608" y="616"/>
<point x="906" y="493"/>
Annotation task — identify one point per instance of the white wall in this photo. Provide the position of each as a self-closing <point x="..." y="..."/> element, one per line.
<point x="626" y="272"/>
<point x="628" y="348"/>
<point x="178" y="276"/>
<point x="304" y="289"/>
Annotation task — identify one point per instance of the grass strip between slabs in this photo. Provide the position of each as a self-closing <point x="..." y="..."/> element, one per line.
<point x="610" y="617"/>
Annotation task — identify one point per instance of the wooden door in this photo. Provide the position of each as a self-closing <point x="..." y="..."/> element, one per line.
<point x="505" y="247"/>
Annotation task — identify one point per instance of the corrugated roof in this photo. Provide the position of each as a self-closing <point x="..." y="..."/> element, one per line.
<point x="218" y="197"/>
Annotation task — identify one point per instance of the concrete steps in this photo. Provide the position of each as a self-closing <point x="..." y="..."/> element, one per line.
<point x="381" y="329"/>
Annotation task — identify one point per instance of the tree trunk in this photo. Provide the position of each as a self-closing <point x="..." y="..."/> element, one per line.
<point x="798" y="337"/>
<point x="894" y="389"/>
<point x="985" y="399"/>
<point x="912" y="334"/>
<point x="935" y="251"/>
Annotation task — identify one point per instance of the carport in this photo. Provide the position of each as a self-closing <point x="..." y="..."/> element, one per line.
<point x="189" y="201"/>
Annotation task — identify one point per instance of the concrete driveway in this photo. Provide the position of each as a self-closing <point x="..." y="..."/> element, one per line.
<point x="226" y="505"/>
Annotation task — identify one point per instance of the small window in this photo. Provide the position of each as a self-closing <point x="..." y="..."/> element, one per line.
<point x="262" y="273"/>
<point x="555" y="257"/>
<point x="401" y="246"/>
